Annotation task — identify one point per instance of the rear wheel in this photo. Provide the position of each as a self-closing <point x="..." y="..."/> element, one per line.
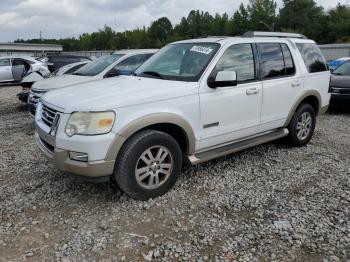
<point x="302" y="126"/>
<point x="148" y="165"/>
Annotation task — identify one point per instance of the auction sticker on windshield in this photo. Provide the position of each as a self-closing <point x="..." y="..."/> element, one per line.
<point x="201" y="49"/>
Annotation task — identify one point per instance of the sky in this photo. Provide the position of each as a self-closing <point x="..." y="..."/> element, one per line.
<point x="67" y="18"/>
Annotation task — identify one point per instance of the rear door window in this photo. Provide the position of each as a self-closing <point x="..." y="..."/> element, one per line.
<point x="312" y="57"/>
<point x="271" y="60"/>
<point x="288" y="60"/>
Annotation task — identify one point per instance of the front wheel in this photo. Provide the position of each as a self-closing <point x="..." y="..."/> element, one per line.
<point x="302" y="126"/>
<point x="148" y="165"/>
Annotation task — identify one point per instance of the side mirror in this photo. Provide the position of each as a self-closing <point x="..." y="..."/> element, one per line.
<point x="331" y="70"/>
<point x="222" y="79"/>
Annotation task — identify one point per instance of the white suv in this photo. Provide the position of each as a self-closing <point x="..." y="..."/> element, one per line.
<point x="122" y="62"/>
<point x="193" y="100"/>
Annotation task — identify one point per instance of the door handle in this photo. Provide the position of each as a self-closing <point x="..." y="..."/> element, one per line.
<point x="296" y="84"/>
<point x="252" y="91"/>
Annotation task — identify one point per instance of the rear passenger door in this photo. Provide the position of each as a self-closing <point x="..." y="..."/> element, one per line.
<point x="281" y="84"/>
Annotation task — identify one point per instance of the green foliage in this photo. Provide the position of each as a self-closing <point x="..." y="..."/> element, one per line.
<point x="303" y="16"/>
<point x="306" y="17"/>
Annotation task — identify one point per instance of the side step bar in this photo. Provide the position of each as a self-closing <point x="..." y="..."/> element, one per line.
<point x="237" y="146"/>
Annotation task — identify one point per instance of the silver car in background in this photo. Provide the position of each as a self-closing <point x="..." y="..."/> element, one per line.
<point x="14" y="68"/>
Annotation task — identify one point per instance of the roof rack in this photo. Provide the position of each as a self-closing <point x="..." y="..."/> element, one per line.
<point x="273" y="34"/>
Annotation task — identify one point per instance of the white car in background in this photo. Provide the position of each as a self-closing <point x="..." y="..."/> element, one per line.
<point x="14" y="68"/>
<point x="122" y="62"/>
<point x="33" y="77"/>
<point x="69" y="69"/>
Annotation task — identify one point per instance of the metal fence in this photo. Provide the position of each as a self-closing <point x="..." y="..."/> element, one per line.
<point x="89" y="53"/>
<point x="335" y="51"/>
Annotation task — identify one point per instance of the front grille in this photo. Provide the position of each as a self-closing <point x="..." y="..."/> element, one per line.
<point x="48" y="115"/>
<point x="35" y="96"/>
<point x="47" y="145"/>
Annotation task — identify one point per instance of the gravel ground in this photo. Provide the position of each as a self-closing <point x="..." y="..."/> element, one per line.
<point x="269" y="203"/>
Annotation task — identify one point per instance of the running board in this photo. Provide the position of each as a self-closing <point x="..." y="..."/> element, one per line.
<point x="237" y="146"/>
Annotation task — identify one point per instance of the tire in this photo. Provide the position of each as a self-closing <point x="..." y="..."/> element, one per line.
<point x="302" y="126"/>
<point x="140" y="163"/>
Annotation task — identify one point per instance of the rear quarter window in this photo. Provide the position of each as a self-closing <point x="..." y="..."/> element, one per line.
<point x="312" y="56"/>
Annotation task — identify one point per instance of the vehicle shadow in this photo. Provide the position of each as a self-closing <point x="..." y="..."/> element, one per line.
<point x="337" y="110"/>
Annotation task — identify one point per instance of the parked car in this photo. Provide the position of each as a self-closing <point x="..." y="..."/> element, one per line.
<point x="193" y="100"/>
<point x="122" y="62"/>
<point x="33" y="77"/>
<point x="69" y="69"/>
<point x="57" y="61"/>
<point x="14" y="68"/>
<point x="340" y="86"/>
<point x="337" y="62"/>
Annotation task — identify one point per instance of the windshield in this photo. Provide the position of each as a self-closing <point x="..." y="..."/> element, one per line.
<point x="97" y="66"/>
<point x="343" y="69"/>
<point x="181" y="62"/>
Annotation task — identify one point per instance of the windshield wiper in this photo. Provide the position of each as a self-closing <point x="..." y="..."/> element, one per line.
<point x="153" y="73"/>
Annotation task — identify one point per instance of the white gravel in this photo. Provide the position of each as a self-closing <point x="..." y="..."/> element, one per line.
<point x="268" y="203"/>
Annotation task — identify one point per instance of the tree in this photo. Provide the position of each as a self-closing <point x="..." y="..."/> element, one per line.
<point x="262" y="14"/>
<point x="240" y="21"/>
<point x="303" y="16"/>
<point x="339" y="24"/>
<point x="160" y="30"/>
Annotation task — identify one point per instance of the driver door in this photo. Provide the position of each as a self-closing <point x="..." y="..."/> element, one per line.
<point x="5" y="70"/>
<point x="232" y="112"/>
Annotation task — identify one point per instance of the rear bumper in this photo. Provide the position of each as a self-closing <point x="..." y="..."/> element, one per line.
<point x="60" y="158"/>
<point x="340" y="99"/>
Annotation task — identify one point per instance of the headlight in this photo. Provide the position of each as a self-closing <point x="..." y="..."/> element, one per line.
<point x="90" y="123"/>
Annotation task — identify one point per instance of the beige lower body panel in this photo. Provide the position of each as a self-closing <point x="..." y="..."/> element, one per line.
<point x="60" y="158"/>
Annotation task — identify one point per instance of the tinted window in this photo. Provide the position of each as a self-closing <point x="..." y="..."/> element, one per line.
<point x="4" y="62"/>
<point x="238" y="58"/>
<point x="271" y="60"/>
<point x="288" y="60"/>
<point x="130" y="64"/>
<point x="313" y="57"/>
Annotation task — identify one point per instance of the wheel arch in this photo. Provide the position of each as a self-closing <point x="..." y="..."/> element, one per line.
<point x="311" y="97"/>
<point x="172" y="124"/>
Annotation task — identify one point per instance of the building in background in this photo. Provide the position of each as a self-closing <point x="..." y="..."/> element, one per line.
<point x="335" y="51"/>
<point x="36" y="50"/>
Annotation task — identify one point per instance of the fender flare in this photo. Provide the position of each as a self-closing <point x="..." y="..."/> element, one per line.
<point x="295" y="106"/>
<point x="148" y="120"/>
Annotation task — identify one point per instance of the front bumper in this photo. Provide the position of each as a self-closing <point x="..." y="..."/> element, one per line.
<point x="60" y="158"/>
<point x="33" y="100"/>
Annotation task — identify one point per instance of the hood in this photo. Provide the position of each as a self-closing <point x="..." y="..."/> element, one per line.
<point x="59" y="82"/>
<point x="342" y="81"/>
<point x="115" y="92"/>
